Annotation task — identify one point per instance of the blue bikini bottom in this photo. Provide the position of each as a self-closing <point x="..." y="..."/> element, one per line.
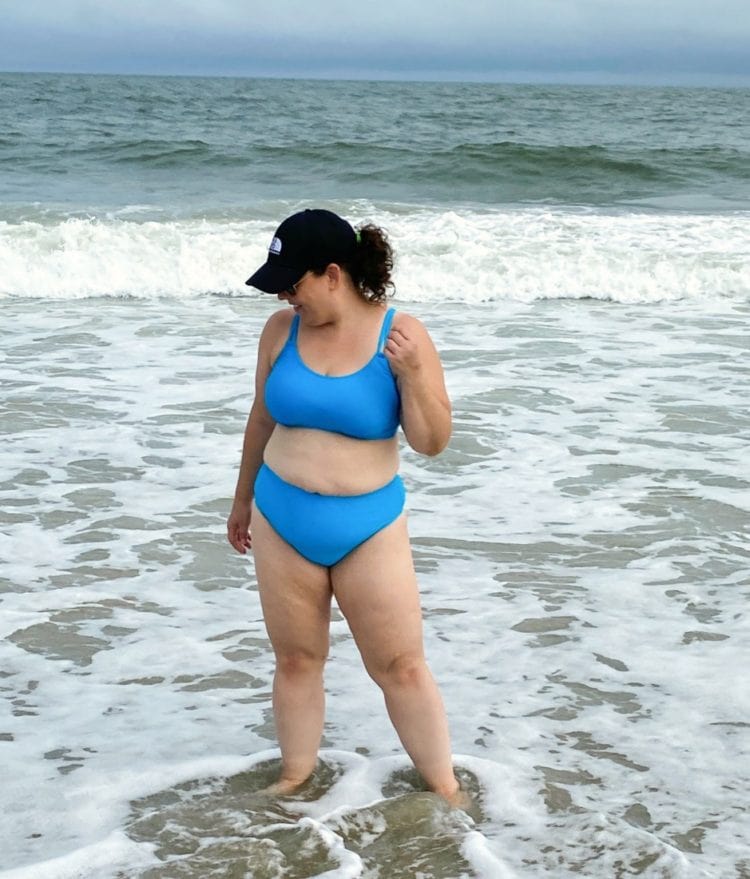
<point x="325" y="527"/>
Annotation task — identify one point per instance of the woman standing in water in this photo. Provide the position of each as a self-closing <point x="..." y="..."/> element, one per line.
<point x="336" y="376"/>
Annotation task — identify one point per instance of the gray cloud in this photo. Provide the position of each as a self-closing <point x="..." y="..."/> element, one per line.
<point x="484" y="38"/>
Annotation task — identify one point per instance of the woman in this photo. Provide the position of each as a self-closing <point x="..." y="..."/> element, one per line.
<point x="336" y="375"/>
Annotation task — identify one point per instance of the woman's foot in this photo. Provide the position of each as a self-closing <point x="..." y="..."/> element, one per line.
<point x="283" y="787"/>
<point x="456" y="796"/>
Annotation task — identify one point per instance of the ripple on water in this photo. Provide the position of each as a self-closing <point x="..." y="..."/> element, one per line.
<point x="225" y="827"/>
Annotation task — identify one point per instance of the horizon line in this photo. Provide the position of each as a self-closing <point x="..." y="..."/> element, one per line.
<point x="530" y="78"/>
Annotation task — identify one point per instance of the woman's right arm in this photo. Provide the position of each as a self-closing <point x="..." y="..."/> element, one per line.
<point x="258" y="430"/>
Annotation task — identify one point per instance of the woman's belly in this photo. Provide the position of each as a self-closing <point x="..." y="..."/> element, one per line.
<point x="329" y="463"/>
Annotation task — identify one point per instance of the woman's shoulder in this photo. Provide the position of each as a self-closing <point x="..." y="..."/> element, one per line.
<point x="408" y="324"/>
<point x="280" y="319"/>
<point x="278" y="324"/>
<point x="276" y="332"/>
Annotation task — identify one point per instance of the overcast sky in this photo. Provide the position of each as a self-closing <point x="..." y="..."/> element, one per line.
<point x="660" y="41"/>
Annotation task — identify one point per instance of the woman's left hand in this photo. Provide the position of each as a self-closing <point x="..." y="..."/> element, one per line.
<point x="403" y="353"/>
<point x="425" y="408"/>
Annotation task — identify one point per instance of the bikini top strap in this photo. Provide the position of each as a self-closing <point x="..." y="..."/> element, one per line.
<point x="386" y="328"/>
<point x="293" y="328"/>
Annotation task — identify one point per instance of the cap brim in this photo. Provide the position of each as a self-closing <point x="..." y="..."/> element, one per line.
<point x="274" y="278"/>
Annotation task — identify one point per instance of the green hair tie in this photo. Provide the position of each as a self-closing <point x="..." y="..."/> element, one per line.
<point x="358" y="237"/>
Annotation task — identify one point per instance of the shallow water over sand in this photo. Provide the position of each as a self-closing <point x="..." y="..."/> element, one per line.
<point x="582" y="551"/>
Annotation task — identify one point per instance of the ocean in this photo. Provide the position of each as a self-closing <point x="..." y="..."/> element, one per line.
<point x="581" y="257"/>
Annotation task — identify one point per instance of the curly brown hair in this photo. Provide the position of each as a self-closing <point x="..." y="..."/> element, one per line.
<point x="371" y="268"/>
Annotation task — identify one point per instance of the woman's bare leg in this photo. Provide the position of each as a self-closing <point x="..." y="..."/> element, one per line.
<point x="296" y="598"/>
<point x="376" y="588"/>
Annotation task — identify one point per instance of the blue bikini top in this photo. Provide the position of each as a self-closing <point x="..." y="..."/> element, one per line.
<point x="364" y="404"/>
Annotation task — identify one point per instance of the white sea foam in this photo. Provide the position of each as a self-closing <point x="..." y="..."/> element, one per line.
<point x="581" y="553"/>
<point x="100" y="860"/>
<point x="463" y="255"/>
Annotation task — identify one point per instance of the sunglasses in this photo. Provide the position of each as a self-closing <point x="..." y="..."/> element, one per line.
<point x="292" y="291"/>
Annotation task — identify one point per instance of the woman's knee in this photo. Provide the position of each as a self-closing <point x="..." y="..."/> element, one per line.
<point x="299" y="663"/>
<point x="404" y="671"/>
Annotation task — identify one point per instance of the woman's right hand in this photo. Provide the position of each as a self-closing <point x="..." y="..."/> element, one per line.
<point x="238" y="526"/>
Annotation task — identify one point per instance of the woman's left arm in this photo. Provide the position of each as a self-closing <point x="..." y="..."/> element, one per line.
<point x="425" y="406"/>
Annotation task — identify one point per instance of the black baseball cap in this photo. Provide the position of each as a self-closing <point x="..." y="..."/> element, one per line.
<point x="313" y="238"/>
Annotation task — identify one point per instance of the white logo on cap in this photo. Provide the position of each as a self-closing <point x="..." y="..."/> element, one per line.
<point x="275" y="246"/>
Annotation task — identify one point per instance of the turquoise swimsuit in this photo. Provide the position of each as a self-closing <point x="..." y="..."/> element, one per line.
<point x="364" y="405"/>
